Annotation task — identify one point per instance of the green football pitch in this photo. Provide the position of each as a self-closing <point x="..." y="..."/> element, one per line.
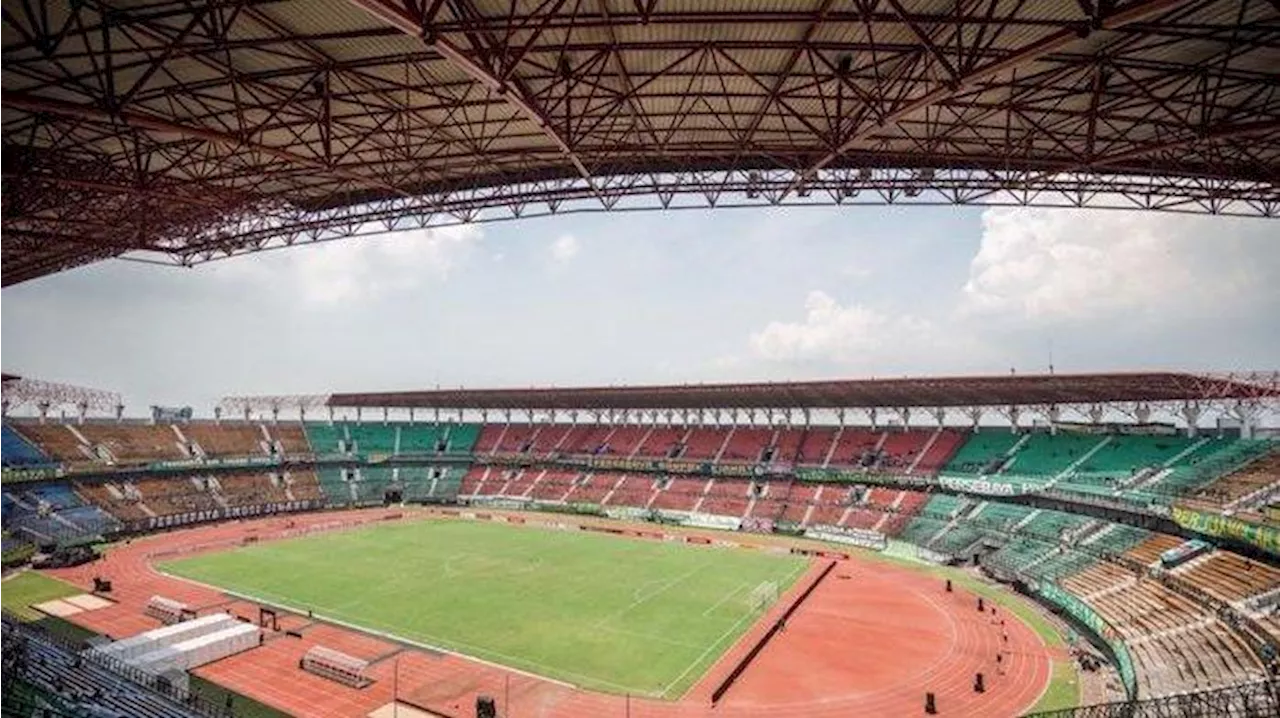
<point x="599" y="611"/>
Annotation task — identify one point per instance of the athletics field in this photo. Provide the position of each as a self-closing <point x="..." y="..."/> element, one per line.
<point x="598" y="611"/>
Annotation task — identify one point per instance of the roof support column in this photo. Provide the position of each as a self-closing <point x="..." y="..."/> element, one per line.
<point x="1012" y="412"/>
<point x="872" y="413"/>
<point x="940" y="415"/>
<point x="840" y="416"/>
<point x="1053" y="414"/>
<point x="1247" y="413"/>
<point x="246" y="412"/>
<point x="1191" y="412"/>
<point x="386" y="415"/>
<point x="975" y="416"/>
<point x="1142" y="413"/>
<point x="904" y="413"/>
<point x="330" y="413"/>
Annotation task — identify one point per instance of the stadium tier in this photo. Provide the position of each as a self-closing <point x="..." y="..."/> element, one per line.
<point x="1170" y="620"/>
<point x="18" y="451"/>
<point x="1252" y="491"/>
<point x="209" y="439"/>
<point x="1155" y="468"/>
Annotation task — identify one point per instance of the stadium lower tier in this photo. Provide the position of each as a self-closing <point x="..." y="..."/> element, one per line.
<point x="1176" y="643"/>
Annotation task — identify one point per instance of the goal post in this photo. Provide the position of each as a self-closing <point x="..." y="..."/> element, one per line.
<point x="763" y="596"/>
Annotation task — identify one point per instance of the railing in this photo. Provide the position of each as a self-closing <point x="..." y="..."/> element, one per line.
<point x="189" y="702"/>
<point x="1249" y="700"/>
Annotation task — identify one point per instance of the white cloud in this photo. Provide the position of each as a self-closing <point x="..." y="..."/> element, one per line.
<point x="1052" y="265"/>
<point x="354" y="269"/>
<point x="564" y="249"/>
<point x="852" y="335"/>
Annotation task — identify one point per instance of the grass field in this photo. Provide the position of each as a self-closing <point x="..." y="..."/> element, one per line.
<point x="27" y="588"/>
<point x="598" y="611"/>
<point x="20" y="591"/>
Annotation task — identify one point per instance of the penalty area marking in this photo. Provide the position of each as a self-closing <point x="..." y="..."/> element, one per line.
<point x="789" y="581"/>
<point x="722" y="601"/>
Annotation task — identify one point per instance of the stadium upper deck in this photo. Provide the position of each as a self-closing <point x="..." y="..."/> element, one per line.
<point x="188" y="131"/>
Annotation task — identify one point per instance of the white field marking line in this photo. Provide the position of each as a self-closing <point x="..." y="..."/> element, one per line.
<point x="727" y="596"/>
<point x="648" y="637"/>
<point x="363" y="627"/>
<point x="449" y="571"/>
<point x="751" y="611"/>
<point x="645" y="599"/>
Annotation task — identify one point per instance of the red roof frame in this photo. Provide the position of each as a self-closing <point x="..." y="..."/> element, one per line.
<point x="1021" y="390"/>
<point x="187" y="131"/>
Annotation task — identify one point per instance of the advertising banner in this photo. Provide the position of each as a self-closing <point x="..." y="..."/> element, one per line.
<point x="1266" y="538"/>
<point x="31" y="474"/>
<point x="1082" y="612"/>
<point x="980" y="486"/>
<point x="853" y="537"/>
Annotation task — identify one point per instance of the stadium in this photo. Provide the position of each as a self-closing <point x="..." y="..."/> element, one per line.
<point x="952" y="543"/>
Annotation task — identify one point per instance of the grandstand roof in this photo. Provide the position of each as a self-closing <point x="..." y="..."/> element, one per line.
<point x="1043" y="389"/>
<point x="189" y="130"/>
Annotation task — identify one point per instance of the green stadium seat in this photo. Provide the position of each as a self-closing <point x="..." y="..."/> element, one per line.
<point x="462" y="437"/>
<point x="979" y="450"/>
<point x="421" y="438"/>
<point x="324" y="438"/>
<point x="373" y="438"/>
<point x="336" y="491"/>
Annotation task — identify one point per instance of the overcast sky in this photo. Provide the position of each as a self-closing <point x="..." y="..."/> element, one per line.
<point x="667" y="297"/>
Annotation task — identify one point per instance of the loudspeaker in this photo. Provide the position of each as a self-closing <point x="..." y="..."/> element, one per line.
<point x="485" y="707"/>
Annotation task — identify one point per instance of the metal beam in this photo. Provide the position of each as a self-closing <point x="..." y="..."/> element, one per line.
<point x="512" y="94"/>
<point x="140" y="121"/>
<point x="1028" y="53"/>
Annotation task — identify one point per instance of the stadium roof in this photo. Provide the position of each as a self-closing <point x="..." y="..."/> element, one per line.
<point x="189" y="130"/>
<point x="1025" y="390"/>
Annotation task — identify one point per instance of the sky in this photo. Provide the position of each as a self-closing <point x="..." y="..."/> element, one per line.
<point x="689" y="296"/>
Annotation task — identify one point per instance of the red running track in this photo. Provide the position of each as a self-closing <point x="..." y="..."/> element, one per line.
<point x="870" y="641"/>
